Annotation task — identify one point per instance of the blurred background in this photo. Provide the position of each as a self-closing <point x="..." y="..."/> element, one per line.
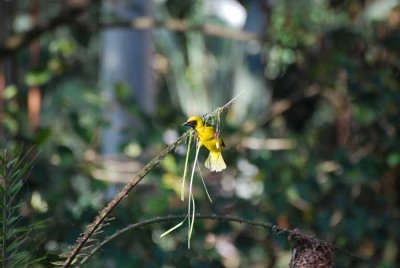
<point x="100" y="87"/>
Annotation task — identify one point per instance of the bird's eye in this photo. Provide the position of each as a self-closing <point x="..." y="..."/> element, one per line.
<point x="193" y="123"/>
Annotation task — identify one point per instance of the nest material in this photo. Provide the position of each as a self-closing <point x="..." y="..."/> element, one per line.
<point x="309" y="252"/>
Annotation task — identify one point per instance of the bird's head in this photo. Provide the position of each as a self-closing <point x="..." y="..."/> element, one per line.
<point x="193" y="122"/>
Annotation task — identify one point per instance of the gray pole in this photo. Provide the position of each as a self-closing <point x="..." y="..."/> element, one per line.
<point x="126" y="59"/>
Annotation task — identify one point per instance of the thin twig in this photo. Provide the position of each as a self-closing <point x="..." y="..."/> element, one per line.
<point x="357" y="258"/>
<point x="266" y="225"/>
<point x="91" y="228"/>
<point x="5" y="192"/>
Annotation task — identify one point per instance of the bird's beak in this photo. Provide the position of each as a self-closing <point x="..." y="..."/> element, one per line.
<point x="185" y="124"/>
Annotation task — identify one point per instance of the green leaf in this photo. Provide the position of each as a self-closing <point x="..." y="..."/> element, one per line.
<point x="13" y="177"/>
<point x="20" y="257"/>
<point x="17" y="243"/>
<point x="43" y="135"/>
<point x="122" y="91"/>
<point x="10" y="92"/>
<point x="37" y="77"/>
<point x="13" y="219"/>
<point x="16" y="186"/>
<point x="36" y="261"/>
<point x="393" y="159"/>
<point x="63" y="46"/>
<point x="13" y="232"/>
<point x="12" y="206"/>
<point x="11" y="163"/>
<point x="58" y="263"/>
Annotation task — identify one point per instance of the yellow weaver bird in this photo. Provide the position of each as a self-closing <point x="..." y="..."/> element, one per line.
<point x="210" y="139"/>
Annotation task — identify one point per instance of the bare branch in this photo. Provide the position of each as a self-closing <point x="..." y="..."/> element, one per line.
<point x="295" y="236"/>
<point x="91" y="228"/>
<point x="134" y="226"/>
<point x="17" y="41"/>
<point x="180" y="25"/>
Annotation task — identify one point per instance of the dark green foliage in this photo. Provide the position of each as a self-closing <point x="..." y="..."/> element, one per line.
<point x="339" y="179"/>
<point x="18" y="237"/>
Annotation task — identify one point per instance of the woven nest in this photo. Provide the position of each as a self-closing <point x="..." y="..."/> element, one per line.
<point x="309" y="252"/>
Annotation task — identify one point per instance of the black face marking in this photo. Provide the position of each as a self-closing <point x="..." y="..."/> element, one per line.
<point x="192" y="123"/>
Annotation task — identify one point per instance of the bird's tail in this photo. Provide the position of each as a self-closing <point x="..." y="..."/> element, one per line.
<point x="215" y="162"/>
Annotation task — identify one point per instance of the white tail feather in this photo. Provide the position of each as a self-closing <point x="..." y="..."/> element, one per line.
<point x="215" y="162"/>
